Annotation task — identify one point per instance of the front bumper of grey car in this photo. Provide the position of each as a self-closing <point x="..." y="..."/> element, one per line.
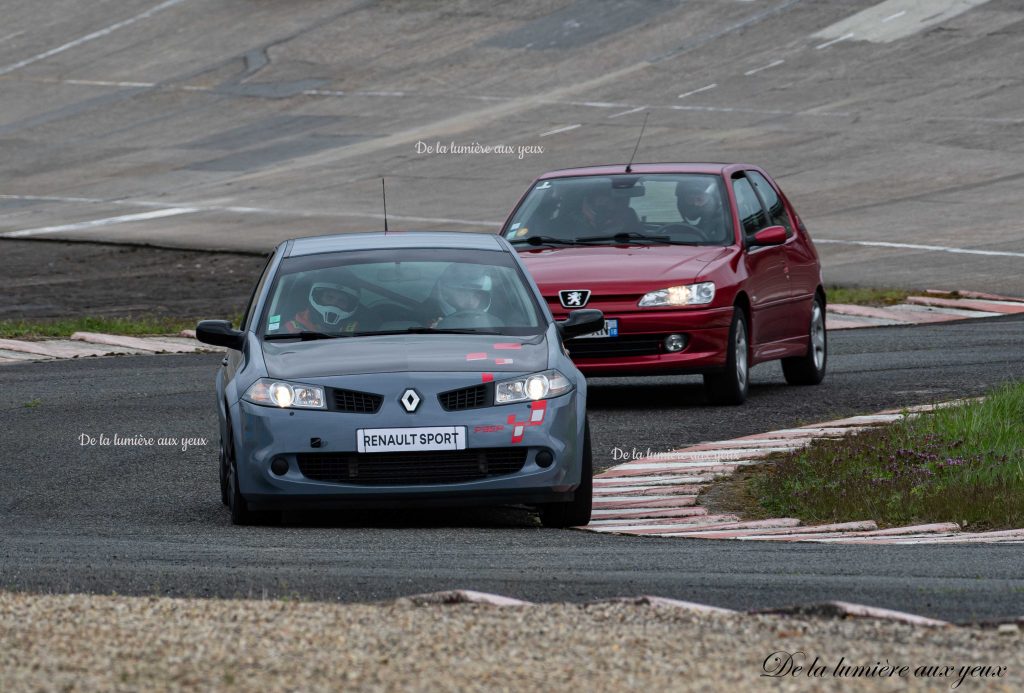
<point x="526" y="452"/>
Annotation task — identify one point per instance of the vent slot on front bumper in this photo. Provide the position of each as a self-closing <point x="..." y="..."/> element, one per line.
<point x="402" y="468"/>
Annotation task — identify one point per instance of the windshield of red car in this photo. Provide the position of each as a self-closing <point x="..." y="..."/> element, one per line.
<point x="684" y="208"/>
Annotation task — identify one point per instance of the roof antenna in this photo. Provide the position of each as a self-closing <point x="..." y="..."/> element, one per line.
<point x="629" y="166"/>
<point x="384" y="196"/>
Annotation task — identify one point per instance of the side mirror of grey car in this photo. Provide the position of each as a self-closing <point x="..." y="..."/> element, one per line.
<point x="219" y="333"/>
<point x="581" y="322"/>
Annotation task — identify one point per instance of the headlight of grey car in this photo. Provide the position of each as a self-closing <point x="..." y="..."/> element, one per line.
<point x="536" y="386"/>
<point x="278" y="393"/>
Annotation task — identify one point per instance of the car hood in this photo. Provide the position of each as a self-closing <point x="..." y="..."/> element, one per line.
<point x="405" y="353"/>
<point x="607" y="267"/>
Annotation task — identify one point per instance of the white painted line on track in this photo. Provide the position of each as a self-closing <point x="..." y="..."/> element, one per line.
<point x="916" y="246"/>
<point x="89" y="37"/>
<point x="96" y="223"/>
<point x="770" y="65"/>
<point x="632" y="110"/>
<point x="103" y="83"/>
<point x="697" y="91"/>
<point x="893" y="16"/>
<point x="16" y="34"/>
<point x="844" y="37"/>
<point x="270" y="211"/>
<point x="567" y="128"/>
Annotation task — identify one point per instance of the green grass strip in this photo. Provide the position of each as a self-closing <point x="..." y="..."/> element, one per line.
<point x="861" y="296"/>
<point x="960" y="464"/>
<point x="65" y="327"/>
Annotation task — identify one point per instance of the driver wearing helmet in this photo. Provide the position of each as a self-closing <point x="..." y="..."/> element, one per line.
<point x="332" y="308"/>
<point x="463" y="291"/>
<point x="700" y="206"/>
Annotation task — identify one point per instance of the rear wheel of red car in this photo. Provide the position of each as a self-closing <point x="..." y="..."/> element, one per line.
<point x="810" y="368"/>
<point x="731" y="385"/>
<point x="575" y="513"/>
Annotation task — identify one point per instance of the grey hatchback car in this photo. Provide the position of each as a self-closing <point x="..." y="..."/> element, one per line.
<point x="401" y="369"/>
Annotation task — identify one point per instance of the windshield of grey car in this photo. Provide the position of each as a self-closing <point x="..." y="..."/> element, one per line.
<point x="360" y="293"/>
<point x="686" y="209"/>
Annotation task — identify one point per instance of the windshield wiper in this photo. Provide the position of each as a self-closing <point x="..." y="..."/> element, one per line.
<point x="543" y="240"/>
<point x="430" y="330"/>
<point x="631" y="236"/>
<point x="306" y="335"/>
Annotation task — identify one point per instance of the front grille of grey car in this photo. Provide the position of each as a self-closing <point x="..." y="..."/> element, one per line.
<point x="405" y="468"/>
<point x="354" y="402"/>
<point x="472" y="397"/>
<point x="630" y="345"/>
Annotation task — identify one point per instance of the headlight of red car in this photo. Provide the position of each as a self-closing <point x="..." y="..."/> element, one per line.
<point x="685" y="295"/>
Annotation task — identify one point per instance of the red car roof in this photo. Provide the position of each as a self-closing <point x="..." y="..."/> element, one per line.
<point x="607" y="169"/>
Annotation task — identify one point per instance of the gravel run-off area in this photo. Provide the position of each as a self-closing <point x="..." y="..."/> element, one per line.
<point x="86" y="642"/>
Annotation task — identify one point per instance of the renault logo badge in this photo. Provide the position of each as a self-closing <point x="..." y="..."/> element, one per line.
<point x="410" y="399"/>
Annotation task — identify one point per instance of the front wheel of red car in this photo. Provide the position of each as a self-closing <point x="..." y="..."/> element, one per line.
<point x="731" y="385"/>
<point x="575" y="513"/>
<point x="810" y="368"/>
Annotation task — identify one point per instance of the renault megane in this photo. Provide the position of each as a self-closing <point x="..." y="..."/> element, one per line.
<point x="382" y="370"/>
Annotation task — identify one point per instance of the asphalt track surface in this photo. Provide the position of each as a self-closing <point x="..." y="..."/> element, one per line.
<point x="238" y="123"/>
<point x="148" y="520"/>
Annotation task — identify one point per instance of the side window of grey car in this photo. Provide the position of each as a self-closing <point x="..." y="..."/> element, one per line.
<point x="777" y="214"/>
<point x="752" y="215"/>
<point x="249" y="317"/>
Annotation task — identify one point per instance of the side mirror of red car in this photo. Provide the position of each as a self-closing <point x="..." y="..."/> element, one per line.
<point x="773" y="235"/>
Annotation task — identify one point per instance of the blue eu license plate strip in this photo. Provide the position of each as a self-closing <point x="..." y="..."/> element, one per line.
<point x="611" y="329"/>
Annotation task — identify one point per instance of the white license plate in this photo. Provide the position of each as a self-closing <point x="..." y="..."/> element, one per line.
<point x="411" y="439"/>
<point x="611" y="329"/>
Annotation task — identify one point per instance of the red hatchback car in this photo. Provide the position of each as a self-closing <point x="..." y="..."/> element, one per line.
<point x="698" y="268"/>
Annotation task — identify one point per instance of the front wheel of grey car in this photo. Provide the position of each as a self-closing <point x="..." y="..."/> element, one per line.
<point x="225" y="494"/>
<point x="575" y="513"/>
<point x="240" y="512"/>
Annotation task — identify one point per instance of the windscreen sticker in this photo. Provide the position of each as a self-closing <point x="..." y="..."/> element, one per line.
<point x="274" y="323"/>
<point x="515" y="226"/>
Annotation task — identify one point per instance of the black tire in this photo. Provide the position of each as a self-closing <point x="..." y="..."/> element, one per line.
<point x="575" y="513"/>
<point x="732" y="384"/>
<point x="809" y="369"/>
<point x="240" y="512"/>
<point x="225" y="496"/>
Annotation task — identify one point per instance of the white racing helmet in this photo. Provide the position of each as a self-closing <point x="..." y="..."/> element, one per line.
<point x="464" y="287"/>
<point x="334" y="302"/>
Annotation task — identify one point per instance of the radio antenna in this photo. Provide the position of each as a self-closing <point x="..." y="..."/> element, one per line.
<point x="629" y="166"/>
<point x="384" y="197"/>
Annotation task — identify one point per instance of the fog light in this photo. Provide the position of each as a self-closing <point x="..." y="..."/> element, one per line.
<point x="279" y="466"/>
<point x="544" y="458"/>
<point x="675" y="342"/>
